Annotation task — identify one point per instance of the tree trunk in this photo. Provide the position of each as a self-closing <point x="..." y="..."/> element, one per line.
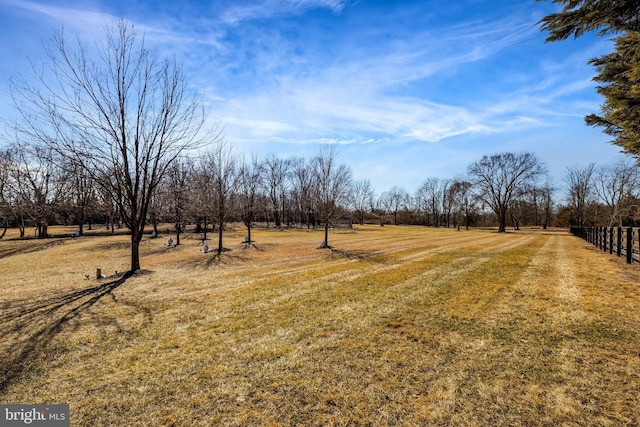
<point x="326" y="234"/>
<point x="81" y="219"/>
<point x="284" y="217"/>
<point x="502" y="219"/>
<point x="6" y="226"/>
<point x="43" y="230"/>
<point x="136" y="237"/>
<point x="276" y="216"/>
<point x="220" y="238"/>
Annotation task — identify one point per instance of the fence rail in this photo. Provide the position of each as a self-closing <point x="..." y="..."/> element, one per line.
<point x="621" y="241"/>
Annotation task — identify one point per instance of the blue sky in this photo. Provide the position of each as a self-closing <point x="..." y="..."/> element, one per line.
<point x="407" y="89"/>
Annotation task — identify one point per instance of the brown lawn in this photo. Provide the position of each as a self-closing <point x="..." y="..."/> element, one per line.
<point x="396" y="326"/>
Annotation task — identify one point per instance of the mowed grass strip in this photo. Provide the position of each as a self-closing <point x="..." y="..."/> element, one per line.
<point x="395" y="326"/>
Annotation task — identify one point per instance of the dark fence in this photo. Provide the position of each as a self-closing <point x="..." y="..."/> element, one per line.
<point x="621" y="241"/>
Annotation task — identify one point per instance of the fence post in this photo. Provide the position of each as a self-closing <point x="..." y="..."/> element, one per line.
<point x="619" y="248"/>
<point x="638" y="231"/>
<point x="610" y="240"/>
<point x="600" y="238"/>
<point x="629" y="245"/>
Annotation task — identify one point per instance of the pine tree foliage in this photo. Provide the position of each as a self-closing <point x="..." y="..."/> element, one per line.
<point x="619" y="73"/>
<point x="582" y="16"/>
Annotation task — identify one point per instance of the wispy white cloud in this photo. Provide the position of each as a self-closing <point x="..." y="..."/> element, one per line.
<point x="82" y="20"/>
<point x="321" y="115"/>
<point x="361" y="93"/>
<point x="360" y="97"/>
<point x="270" y="8"/>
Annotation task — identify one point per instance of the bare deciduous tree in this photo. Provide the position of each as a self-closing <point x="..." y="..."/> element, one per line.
<point x="177" y="194"/>
<point x="546" y="195"/>
<point x="80" y="187"/>
<point x="447" y="196"/>
<point x="249" y="182"/>
<point x="117" y="110"/>
<point x="462" y="201"/>
<point x="38" y="184"/>
<point x="397" y="198"/>
<point x="383" y="207"/>
<point x="304" y="190"/>
<point x="333" y="181"/>
<point x="579" y="180"/>
<point x="617" y="186"/>
<point x="361" y="198"/>
<point x="276" y="171"/>
<point x="429" y="198"/>
<point x="220" y="168"/>
<point x="6" y="194"/>
<point x="498" y="177"/>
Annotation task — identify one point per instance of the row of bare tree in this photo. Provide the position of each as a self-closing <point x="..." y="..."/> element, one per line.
<point x="513" y="187"/>
<point x="218" y="186"/>
<point x="209" y="190"/>
<point x="602" y="195"/>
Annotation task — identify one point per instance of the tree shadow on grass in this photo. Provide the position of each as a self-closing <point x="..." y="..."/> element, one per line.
<point x="361" y="255"/>
<point x="246" y="246"/>
<point x="30" y="326"/>
<point x="231" y="257"/>
<point x="214" y="259"/>
<point x="30" y="245"/>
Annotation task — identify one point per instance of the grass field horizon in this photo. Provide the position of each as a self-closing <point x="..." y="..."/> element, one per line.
<point x="392" y="326"/>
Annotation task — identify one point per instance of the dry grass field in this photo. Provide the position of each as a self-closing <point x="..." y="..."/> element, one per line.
<point x="395" y="326"/>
